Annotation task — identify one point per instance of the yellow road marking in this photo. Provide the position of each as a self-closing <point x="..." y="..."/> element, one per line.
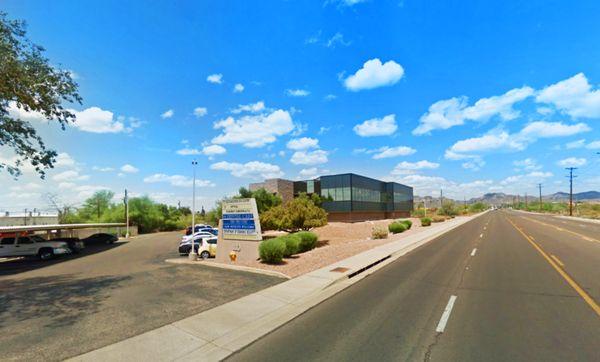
<point x="562" y="229"/>
<point x="556" y="259"/>
<point x="589" y="300"/>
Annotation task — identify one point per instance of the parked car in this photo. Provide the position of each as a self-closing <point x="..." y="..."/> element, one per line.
<point x="75" y="244"/>
<point x="205" y="247"/>
<point x="31" y="245"/>
<point x="100" y="238"/>
<point x="198" y="227"/>
<point x="200" y="234"/>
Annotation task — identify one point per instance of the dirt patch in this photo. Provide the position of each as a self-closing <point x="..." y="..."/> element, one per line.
<point x="337" y="241"/>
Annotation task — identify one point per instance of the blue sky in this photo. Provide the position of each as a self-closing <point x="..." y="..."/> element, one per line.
<point x="466" y="96"/>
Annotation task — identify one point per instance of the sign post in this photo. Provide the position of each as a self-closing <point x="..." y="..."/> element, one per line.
<point x="239" y="231"/>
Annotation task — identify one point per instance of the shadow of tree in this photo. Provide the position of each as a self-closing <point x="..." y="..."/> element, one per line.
<point x="322" y="243"/>
<point x="61" y="299"/>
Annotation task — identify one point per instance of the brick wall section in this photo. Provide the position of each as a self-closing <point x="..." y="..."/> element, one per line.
<point x="281" y="187"/>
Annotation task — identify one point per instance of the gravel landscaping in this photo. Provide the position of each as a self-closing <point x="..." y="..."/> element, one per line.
<point x="337" y="241"/>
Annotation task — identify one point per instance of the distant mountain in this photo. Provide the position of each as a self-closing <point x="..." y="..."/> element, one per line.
<point x="498" y="198"/>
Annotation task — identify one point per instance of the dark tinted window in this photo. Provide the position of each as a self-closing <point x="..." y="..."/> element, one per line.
<point x="7" y="241"/>
<point x="25" y="240"/>
<point x="211" y="241"/>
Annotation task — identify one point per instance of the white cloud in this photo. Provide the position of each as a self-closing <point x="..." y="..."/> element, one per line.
<point x="177" y="180"/>
<point x="215" y="78"/>
<point x="348" y="3"/>
<point x="102" y="169"/>
<point x="527" y="164"/>
<point x="572" y="162"/>
<point x="213" y="150"/>
<point x="330" y="97"/>
<point x="252" y="169"/>
<point x="388" y="152"/>
<point x="297" y="92"/>
<point x="200" y="111"/>
<point x="377" y="126"/>
<point x="308" y="172"/>
<point x="315" y="157"/>
<point x="541" y="129"/>
<point x="403" y="167"/>
<point x="303" y="143"/>
<point x="575" y="144"/>
<point x="63" y="159"/>
<point x="252" y="108"/>
<point x="337" y="38"/>
<point x="167" y="114"/>
<point x="254" y="131"/>
<point x="85" y="191"/>
<point x="186" y="151"/>
<point x="374" y="74"/>
<point x="127" y="168"/>
<point x="238" y="88"/>
<point x="92" y="119"/>
<point x="70" y="175"/>
<point x="31" y="186"/>
<point x="502" y="140"/>
<point x="96" y="120"/>
<point x="593" y="145"/>
<point x="474" y="164"/>
<point x="66" y="185"/>
<point x="452" y="112"/>
<point x="573" y="96"/>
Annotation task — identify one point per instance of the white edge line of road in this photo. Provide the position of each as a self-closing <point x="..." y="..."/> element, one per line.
<point x="473" y="252"/>
<point x="442" y="324"/>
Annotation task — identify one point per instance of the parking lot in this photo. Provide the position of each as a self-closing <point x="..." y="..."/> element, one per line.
<point x="61" y="308"/>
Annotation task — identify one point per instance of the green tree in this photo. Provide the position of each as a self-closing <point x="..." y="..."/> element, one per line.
<point x="264" y="199"/>
<point x="29" y="83"/>
<point x="95" y="206"/>
<point x="301" y="213"/>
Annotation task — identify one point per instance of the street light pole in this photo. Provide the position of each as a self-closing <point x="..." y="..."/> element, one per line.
<point x="193" y="255"/>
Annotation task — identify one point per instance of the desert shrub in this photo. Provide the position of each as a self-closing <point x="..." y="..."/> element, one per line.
<point x="272" y="250"/>
<point x="308" y="241"/>
<point x="425" y="221"/>
<point x="396" y="227"/>
<point x="379" y="233"/>
<point x="300" y="213"/>
<point x="438" y="218"/>
<point x="292" y="243"/>
<point x="406" y="222"/>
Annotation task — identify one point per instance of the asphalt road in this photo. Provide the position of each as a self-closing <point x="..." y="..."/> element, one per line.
<point x="517" y="288"/>
<point x="53" y="310"/>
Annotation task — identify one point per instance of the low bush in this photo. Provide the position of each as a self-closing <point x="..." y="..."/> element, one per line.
<point x="292" y="243"/>
<point x="397" y="227"/>
<point x="438" y="218"/>
<point x="308" y="241"/>
<point x="379" y="233"/>
<point x="425" y="221"/>
<point x="272" y="250"/>
<point x="406" y="222"/>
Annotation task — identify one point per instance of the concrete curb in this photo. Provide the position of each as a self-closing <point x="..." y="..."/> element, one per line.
<point x="211" y="264"/>
<point x="219" y="332"/>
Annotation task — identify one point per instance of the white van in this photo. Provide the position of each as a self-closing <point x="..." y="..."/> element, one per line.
<point x="31" y="245"/>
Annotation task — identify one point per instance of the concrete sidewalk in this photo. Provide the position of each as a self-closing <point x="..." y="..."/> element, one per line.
<point x="215" y="334"/>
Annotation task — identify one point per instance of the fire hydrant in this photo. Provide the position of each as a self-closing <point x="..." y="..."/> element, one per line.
<point x="232" y="256"/>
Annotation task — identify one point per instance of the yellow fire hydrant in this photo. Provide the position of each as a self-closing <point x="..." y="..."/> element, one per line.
<point x="232" y="256"/>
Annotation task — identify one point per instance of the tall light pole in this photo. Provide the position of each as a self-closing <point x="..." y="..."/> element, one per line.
<point x="193" y="255"/>
<point x="126" y="199"/>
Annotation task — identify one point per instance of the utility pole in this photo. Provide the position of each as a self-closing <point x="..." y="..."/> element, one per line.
<point x="571" y="188"/>
<point x="193" y="255"/>
<point x="126" y="200"/>
<point x="540" y="187"/>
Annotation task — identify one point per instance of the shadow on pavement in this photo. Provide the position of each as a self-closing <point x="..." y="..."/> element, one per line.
<point x="22" y="265"/>
<point x="58" y="301"/>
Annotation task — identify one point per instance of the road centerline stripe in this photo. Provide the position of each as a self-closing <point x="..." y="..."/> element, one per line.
<point x="442" y="324"/>
<point x="473" y="252"/>
<point x="557" y="260"/>
<point x="586" y="297"/>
